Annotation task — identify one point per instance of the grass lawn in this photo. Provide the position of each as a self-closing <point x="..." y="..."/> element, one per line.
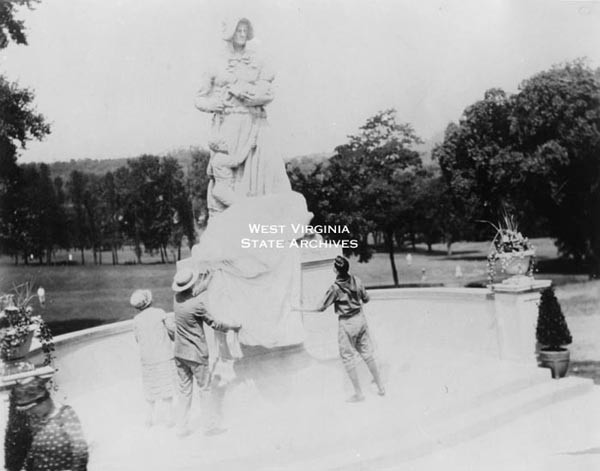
<point x="80" y="296"/>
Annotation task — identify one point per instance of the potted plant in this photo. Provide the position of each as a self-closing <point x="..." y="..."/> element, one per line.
<point x="514" y="251"/>
<point x="18" y="326"/>
<point x="552" y="334"/>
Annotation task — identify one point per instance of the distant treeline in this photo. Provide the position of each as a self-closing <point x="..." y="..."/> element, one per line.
<point x="148" y="202"/>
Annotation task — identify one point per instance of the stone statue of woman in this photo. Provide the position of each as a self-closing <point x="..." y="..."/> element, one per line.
<point x="236" y="93"/>
<point x="248" y="189"/>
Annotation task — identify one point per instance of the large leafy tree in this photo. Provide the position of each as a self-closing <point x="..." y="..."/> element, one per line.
<point x="556" y="119"/>
<point x="19" y="123"/>
<point x="370" y="182"/>
<point x="175" y="218"/>
<point x="535" y="154"/>
<point x="156" y="206"/>
<point x="435" y="217"/>
<point x="480" y="162"/>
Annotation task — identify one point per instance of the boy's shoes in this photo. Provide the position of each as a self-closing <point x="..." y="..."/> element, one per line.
<point x="356" y="398"/>
<point x="183" y="432"/>
<point x="215" y="431"/>
<point x="380" y="389"/>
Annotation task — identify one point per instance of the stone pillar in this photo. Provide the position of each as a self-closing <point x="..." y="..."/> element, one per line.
<point x="317" y="274"/>
<point x="516" y="311"/>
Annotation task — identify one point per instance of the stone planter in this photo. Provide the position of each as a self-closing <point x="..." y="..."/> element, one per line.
<point x="515" y="263"/>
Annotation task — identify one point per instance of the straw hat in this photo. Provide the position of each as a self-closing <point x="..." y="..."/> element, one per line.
<point x="184" y="280"/>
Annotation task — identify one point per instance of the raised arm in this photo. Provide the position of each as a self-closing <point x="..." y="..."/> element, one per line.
<point x="169" y="322"/>
<point x="328" y="300"/>
<point x="364" y="296"/>
<point x="202" y="313"/>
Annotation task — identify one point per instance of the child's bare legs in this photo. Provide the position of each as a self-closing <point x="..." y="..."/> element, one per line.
<point x="347" y="353"/>
<point x="213" y="410"/>
<point x="170" y="411"/>
<point x="372" y="365"/>
<point x="151" y="412"/>
<point x="358" y="395"/>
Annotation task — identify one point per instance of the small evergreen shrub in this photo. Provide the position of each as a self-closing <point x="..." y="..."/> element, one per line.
<point x="552" y="330"/>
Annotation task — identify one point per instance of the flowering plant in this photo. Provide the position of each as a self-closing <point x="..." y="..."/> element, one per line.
<point x="17" y="321"/>
<point x="508" y="243"/>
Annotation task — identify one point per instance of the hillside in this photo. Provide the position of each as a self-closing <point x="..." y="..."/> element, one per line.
<point x="102" y="166"/>
<point x="184" y="156"/>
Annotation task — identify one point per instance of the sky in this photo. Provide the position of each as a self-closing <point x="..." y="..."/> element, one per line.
<point x="117" y="78"/>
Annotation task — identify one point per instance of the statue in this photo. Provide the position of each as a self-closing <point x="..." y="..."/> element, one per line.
<point x="253" y="213"/>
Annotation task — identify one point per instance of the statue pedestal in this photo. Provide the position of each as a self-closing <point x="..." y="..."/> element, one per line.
<point x="317" y="274"/>
<point x="516" y="316"/>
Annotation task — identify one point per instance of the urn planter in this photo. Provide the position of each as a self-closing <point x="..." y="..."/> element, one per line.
<point x="516" y="263"/>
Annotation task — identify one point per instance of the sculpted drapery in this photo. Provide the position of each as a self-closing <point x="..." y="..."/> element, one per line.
<point x="248" y="185"/>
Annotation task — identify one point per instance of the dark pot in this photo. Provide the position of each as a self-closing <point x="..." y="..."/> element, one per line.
<point x="556" y="360"/>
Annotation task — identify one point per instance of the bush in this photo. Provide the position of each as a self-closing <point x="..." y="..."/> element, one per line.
<point x="552" y="330"/>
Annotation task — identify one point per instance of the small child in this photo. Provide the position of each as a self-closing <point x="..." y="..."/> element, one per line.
<point x="151" y="328"/>
<point x="347" y="295"/>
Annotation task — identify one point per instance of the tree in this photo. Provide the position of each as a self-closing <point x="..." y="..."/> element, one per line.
<point x="175" y="215"/>
<point x="19" y="123"/>
<point x="50" y="212"/>
<point x="552" y="330"/>
<point x="535" y="155"/>
<point x="309" y="181"/>
<point x="94" y="215"/>
<point x="198" y="185"/>
<point x="77" y="190"/>
<point x="480" y="164"/>
<point x="141" y="197"/>
<point x="434" y="215"/>
<point x="112" y="198"/>
<point x="370" y="181"/>
<point x="10" y="27"/>
<point x="156" y="208"/>
<point x="556" y="118"/>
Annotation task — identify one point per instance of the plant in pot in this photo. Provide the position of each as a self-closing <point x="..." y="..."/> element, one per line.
<point x="514" y="251"/>
<point x="18" y="326"/>
<point x="552" y="334"/>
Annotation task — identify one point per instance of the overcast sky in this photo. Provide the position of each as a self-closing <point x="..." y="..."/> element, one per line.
<point x="117" y="78"/>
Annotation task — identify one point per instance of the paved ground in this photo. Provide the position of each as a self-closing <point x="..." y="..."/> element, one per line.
<point x="444" y="410"/>
<point x="287" y="412"/>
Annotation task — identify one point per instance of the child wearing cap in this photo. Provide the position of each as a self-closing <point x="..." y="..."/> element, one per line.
<point x="347" y="294"/>
<point x="151" y="328"/>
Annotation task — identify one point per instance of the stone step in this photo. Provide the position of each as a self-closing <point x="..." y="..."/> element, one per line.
<point x="449" y="427"/>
